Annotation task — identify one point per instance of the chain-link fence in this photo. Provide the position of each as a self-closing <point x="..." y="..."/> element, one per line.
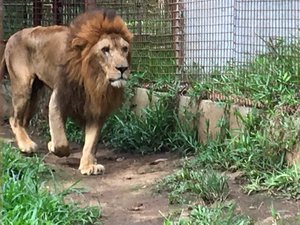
<point x="190" y="38"/>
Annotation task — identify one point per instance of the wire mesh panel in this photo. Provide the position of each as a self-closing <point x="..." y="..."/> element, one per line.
<point x="150" y="21"/>
<point x="209" y="35"/>
<point x="19" y="14"/>
<point x="154" y="51"/>
<point x="234" y="31"/>
<point x="259" y="24"/>
<point x="190" y="38"/>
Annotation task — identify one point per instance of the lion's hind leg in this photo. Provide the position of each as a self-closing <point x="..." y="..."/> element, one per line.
<point x="21" y="96"/>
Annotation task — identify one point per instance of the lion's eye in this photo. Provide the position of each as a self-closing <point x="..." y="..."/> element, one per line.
<point x="125" y="49"/>
<point x="105" y="49"/>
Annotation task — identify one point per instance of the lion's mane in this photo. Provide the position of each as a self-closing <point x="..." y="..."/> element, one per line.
<point x="89" y="89"/>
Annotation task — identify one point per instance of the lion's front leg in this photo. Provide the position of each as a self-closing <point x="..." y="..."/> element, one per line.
<point x="59" y="144"/>
<point x="88" y="163"/>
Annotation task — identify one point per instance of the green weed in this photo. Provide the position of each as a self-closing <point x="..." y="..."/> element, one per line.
<point x="26" y="201"/>
<point x="145" y="134"/>
<point x="157" y="129"/>
<point x="270" y="79"/>
<point x="259" y="151"/>
<point x="221" y="214"/>
<point x="74" y="132"/>
<point x="192" y="183"/>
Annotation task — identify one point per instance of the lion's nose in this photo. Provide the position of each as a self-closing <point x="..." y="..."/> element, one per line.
<point x="122" y="69"/>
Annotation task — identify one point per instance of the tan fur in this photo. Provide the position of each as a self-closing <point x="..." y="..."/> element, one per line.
<point x="86" y="66"/>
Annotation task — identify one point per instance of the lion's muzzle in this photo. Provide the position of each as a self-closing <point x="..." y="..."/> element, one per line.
<point x="120" y="81"/>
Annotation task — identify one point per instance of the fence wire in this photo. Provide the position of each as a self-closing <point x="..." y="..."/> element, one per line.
<point x="187" y="38"/>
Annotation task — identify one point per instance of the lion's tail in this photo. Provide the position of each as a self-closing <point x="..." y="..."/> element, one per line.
<point x="3" y="71"/>
<point x="3" y="68"/>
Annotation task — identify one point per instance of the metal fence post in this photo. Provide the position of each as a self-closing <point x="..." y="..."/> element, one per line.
<point x="57" y="11"/>
<point x="1" y="20"/>
<point x="176" y="8"/>
<point x="37" y="12"/>
<point x="90" y="4"/>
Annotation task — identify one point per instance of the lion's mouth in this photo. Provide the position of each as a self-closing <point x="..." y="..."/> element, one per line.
<point x="118" y="83"/>
<point x="111" y="80"/>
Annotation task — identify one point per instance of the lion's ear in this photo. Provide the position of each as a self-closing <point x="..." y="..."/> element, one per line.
<point x="78" y="43"/>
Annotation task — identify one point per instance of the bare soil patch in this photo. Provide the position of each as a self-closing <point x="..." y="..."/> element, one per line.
<point x="125" y="191"/>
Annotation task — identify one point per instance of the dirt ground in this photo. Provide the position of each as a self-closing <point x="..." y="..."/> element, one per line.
<point x="125" y="192"/>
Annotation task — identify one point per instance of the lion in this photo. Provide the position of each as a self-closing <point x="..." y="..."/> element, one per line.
<point x="85" y="64"/>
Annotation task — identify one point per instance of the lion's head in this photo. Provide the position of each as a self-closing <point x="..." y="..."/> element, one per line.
<point x="112" y="51"/>
<point x="101" y="41"/>
<point x="98" y="58"/>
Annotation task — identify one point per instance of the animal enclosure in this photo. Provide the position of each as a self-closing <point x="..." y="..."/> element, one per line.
<point x="187" y="38"/>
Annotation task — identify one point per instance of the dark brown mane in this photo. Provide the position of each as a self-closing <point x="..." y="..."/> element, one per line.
<point x="90" y="26"/>
<point x="85" y="32"/>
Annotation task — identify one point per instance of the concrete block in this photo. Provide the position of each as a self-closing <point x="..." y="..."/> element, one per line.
<point x="292" y="156"/>
<point x="143" y="98"/>
<point x="210" y="114"/>
<point x="188" y="110"/>
<point x="140" y="100"/>
<point x="235" y="122"/>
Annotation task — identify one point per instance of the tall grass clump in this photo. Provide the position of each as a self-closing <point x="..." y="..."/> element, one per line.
<point x="26" y="200"/>
<point x="157" y="128"/>
<point x="221" y="214"/>
<point x="259" y="151"/>
<point x="271" y="78"/>
<point x="271" y="81"/>
<point x="193" y="184"/>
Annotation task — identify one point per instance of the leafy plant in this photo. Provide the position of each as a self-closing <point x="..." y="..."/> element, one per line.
<point x="191" y="182"/>
<point x="221" y="214"/>
<point x="74" y="132"/>
<point x="259" y="151"/>
<point x="145" y="134"/>
<point x="158" y="128"/>
<point x="184" y="137"/>
<point x="27" y="201"/>
<point x="270" y="79"/>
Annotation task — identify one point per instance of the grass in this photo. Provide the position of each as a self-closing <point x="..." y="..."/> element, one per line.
<point x="271" y="78"/>
<point x="258" y="150"/>
<point x="74" y="132"/>
<point x="127" y="131"/>
<point x="26" y="200"/>
<point x="221" y="214"/>
<point x="259" y="153"/>
<point x="192" y="184"/>
<point x="158" y="129"/>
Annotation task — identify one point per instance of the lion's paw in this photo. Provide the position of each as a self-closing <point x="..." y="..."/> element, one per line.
<point x="94" y="169"/>
<point x="27" y="147"/>
<point x="59" y="151"/>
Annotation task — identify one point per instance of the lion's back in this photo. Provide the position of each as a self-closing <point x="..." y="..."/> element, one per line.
<point x="39" y="38"/>
<point x="40" y="49"/>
